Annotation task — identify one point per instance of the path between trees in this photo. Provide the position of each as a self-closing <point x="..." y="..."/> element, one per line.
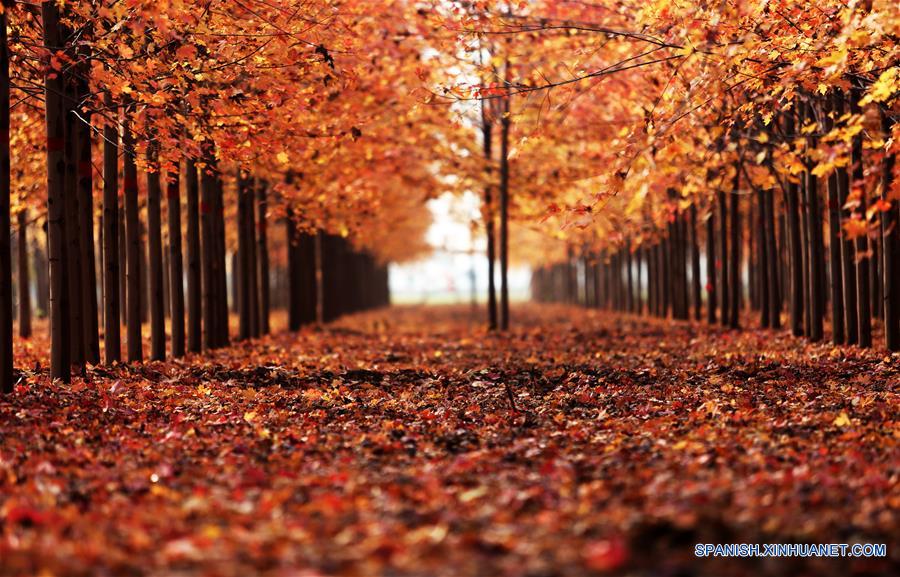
<point x="411" y="442"/>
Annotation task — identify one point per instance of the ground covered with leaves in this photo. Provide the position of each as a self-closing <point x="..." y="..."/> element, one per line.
<point x="411" y="442"/>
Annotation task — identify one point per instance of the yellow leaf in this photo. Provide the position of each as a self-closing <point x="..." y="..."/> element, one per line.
<point x="249" y="416"/>
<point x="883" y="88"/>
<point x="841" y="420"/>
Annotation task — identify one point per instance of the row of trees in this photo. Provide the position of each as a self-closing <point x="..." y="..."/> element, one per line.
<point x="674" y="143"/>
<point x="153" y="140"/>
<point x="792" y="250"/>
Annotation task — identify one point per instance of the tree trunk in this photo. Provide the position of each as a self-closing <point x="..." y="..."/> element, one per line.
<point x="6" y="299"/>
<point x="862" y="242"/>
<point x="763" y="260"/>
<point x="711" y="268"/>
<point x="696" y="290"/>
<point x="629" y="261"/>
<point x="85" y="191"/>
<point x="262" y="255"/>
<point x="176" y="262"/>
<point x="735" y="260"/>
<point x="816" y="252"/>
<point x="244" y="273"/>
<point x="795" y="243"/>
<point x="753" y="256"/>
<point x="156" y="299"/>
<point x="807" y="244"/>
<point x="875" y="276"/>
<point x="639" y="295"/>
<point x="208" y="283"/>
<point x="490" y="232"/>
<point x="666" y="256"/>
<point x="890" y="248"/>
<point x="56" y="182"/>
<point x="24" y="284"/>
<point x="252" y="267"/>
<point x="838" y="333"/>
<point x="194" y="287"/>
<point x="723" y="259"/>
<point x="167" y="281"/>
<point x="133" y="244"/>
<point x="75" y="271"/>
<point x="504" y="214"/>
<point x="123" y="261"/>
<point x="112" y="338"/>
<point x="774" y="261"/>
<point x="42" y="274"/>
<point x="294" y="271"/>
<point x="221" y="302"/>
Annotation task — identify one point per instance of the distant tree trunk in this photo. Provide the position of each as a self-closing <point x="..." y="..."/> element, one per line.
<point x="629" y="261"/>
<point x="85" y="192"/>
<point x="490" y="232"/>
<point x="683" y="240"/>
<point x="504" y="214"/>
<point x="262" y="254"/>
<point x="244" y="274"/>
<point x="209" y="283"/>
<point x="329" y="252"/>
<point x="666" y="276"/>
<point x="252" y="265"/>
<point x="22" y="245"/>
<point x="222" y="328"/>
<point x="167" y="281"/>
<point x="795" y="243"/>
<point x="875" y="276"/>
<point x="862" y="242"/>
<point x="309" y="274"/>
<point x="711" y="267"/>
<point x="294" y="272"/>
<point x="56" y="182"/>
<point x="763" y="260"/>
<point x="816" y="251"/>
<point x="638" y="295"/>
<point x="735" y="260"/>
<point x="144" y="267"/>
<point x="807" y="243"/>
<point x="774" y="261"/>
<point x="112" y="338"/>
<point x="194" y="287"/>
<point x="237" y="286"/>
<point x="753" y="256"/>
<point x="176" y="262"/>
<point x="133" y="244"/>
<point x="6" y="299"/>
<point x="890" y="248"/>
<point x="98" y="250"/>
<point x="123" y="261"/>
<point x="41" y="274"/>
<point x="696" y="290"/>
<point x="675" y="268"/>
<point x="838" y="334"/>
<point x="154" y="232"/>
<point x="723" y="259"/>
<point x="75" y="272"/>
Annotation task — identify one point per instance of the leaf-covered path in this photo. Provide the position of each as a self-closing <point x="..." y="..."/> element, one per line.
<point x="410" y="442"/>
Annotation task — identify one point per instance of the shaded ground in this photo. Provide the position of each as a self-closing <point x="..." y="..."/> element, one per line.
<point x="412" y="443"/>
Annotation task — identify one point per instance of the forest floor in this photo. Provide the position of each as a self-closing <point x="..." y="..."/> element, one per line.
<point x="411" y="442"/>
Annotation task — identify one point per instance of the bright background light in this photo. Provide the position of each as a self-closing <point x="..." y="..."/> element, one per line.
<point x="446" y="276"/>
